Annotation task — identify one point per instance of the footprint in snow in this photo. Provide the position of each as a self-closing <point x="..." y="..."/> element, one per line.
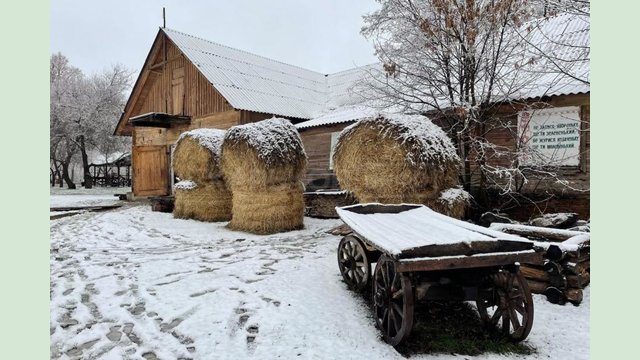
<point x="252" y="333"/>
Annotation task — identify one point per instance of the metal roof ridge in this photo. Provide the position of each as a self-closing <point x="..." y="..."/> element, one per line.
<point x="240" y="50"/>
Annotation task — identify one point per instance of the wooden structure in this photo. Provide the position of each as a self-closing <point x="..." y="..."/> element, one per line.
<point x="188" y="82"/>
<point x="116" y="173"/>
<point x="318" y="142"/>
<point x="454" y="260"/>
<point x="170" y="96"/>
<point x="566" y="270"/>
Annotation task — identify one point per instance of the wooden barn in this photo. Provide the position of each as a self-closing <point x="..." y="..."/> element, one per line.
<point x="188" y="82"/>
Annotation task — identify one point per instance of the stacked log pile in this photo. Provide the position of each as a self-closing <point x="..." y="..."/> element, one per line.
<point x="322" y="204"/>
<point x="565" y="271"/>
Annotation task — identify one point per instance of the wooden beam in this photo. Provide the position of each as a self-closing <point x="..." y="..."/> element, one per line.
<point x="484" y="260"/>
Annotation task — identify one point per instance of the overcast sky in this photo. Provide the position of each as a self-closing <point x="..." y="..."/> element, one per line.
<point x="319" y="35"/>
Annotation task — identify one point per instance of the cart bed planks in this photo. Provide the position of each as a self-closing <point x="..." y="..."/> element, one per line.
<point x="473" y="261"/>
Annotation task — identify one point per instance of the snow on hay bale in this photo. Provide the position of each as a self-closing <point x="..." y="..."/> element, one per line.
<point x="263" y="164"/>
<point x="197" y="155"/>
<point x="452" y="202"/>
<point x="207" y="201"/>
<point x="204" y="196"/>
<point x="397" y="159"/>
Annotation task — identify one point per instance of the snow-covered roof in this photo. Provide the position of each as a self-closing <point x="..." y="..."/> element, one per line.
<point x="564" y="39"/>
<point x="256" y="83"/>
<point x="420" y="226"/>
<point x="340" y="115"/>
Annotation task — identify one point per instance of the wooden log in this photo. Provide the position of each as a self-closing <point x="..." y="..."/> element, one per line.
<point x="555" y="295"/>
<point x="555" y="253"/>
<point x="577" y="268"/>
<point x="87" y="208"/>
<point x="552" y="268"/>
<point x="582" y="255"/>
<point x="581" y="240"/>
<point x="559" y="281"/>
<point x="534" y="273"/>
<point x="578" y="281"/>
<point x="538" y="233"/>
<point x="537" y="287"/>
<point x="574" y="296"/>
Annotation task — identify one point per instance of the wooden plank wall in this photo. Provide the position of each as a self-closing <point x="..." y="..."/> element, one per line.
<point x="564" y="199"/>
<point x="251" y="116"/>
<point x="200" y="98"/>
<point x="578" y="176"/>
<point x="317" y="145"/>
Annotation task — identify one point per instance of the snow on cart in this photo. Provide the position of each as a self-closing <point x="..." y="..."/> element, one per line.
<point x="422" y="255"/>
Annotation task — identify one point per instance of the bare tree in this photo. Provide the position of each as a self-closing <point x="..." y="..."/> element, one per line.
<point x="460" y="61"/>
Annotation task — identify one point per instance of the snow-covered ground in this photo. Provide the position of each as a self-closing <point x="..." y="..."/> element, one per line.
<point x="63" y="197"/>
<point x="132" y="283"/>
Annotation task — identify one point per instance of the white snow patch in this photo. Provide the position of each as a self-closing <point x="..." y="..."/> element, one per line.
<point x="274" y="140"/>
<point x="184" y="288"/>
<point x="429" y="143"/>
<point x="452" y="196"/>
<point x="420" y="226"/>
<point x="185" y="185"/>
<point x="211" y="139"/>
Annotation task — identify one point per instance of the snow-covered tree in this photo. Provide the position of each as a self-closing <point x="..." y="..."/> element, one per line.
<point x="560" y="50"/>
<point x="459" y="61"/>
<point x="62" y="148"/>
<point x="83" y="113"/>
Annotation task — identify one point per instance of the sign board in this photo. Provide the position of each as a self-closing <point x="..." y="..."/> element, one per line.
<point x="550" y="137"/>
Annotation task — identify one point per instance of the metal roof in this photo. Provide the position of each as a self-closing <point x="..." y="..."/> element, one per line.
<point x="256" y="83"/>
<point x="559" y="52"/>
<point x="340" y="115"/>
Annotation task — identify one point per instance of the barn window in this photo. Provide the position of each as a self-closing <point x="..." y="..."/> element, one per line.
<point x="334" y="140"/>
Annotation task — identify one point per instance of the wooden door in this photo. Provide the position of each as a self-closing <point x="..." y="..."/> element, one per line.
<point x="177" y="91"/>
<point x="150" y="170"/>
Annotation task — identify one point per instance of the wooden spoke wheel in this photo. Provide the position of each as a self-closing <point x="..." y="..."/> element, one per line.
<point x="510" y="307"/>
<point x="353" y="262"/>
<point x="392" y="301"/>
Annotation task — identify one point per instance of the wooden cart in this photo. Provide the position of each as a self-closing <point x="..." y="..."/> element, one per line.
<point x="422" y="255"/>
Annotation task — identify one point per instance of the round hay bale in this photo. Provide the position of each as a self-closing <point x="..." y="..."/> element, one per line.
<point x="263" y="164"/>
<point x="197" y="155"/>
<point x="395" y="159"/>
<point x="268" y="210"/>
<point x="261" y="154"/>
<point x="210" y="201"/>
<point x="452" y="202"/>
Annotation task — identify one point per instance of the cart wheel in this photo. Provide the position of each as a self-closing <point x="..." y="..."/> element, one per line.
<point x="392" y="301"/>
<point x="353" y="262"/>
<point x="510" y="308"/>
